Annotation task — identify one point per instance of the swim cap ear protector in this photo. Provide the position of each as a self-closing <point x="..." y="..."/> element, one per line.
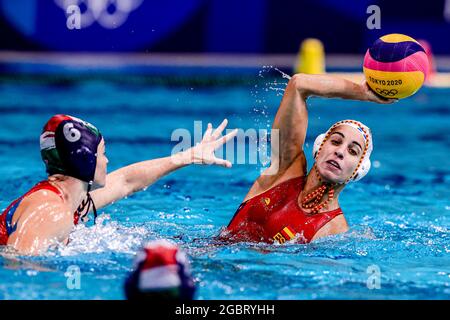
<point x="364" y="164"/>
<point x="69" y="147"/>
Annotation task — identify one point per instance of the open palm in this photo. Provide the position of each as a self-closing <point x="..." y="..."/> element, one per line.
<point x="203" y="152"/>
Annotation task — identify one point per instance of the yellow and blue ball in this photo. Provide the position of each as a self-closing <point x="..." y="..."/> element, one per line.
<point x="395" y="66"/>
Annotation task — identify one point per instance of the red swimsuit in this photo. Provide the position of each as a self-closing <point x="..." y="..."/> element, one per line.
<point x="6" y="227"/>
<point x="275" y="215"/>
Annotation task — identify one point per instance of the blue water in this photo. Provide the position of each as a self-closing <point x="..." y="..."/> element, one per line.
<point x="399" y="213"/>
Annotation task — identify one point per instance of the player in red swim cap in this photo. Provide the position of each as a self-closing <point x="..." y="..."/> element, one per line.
<point x="288" y="203"/>
<point x="161" y="272"/>
<point x="73" y="151"/>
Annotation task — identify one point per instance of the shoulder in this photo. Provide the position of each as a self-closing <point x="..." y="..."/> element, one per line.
<point x="43" y="196"/>
<point x="335" y="226"/>
<point x="41" y="219"/>
<point x="40" y="201"/>
<point x="275" y="176"/>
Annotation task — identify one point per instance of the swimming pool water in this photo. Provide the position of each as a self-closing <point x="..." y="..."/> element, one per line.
<point x="399" y="213"/>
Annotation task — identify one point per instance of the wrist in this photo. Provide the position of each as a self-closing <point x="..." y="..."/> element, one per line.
<point x="355" y="91"/>
<point x="183" y="158"/>
<point x="364" y="92"/>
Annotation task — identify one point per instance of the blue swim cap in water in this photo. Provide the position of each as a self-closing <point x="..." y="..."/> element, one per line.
<point x="69" y="147"/>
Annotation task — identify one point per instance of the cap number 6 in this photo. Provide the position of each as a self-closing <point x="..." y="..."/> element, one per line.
<point x="70" y="133"/>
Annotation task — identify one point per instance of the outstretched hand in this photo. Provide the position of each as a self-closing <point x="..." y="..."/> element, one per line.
<point x="203" y="152"/>
<point x="373" y="97"/>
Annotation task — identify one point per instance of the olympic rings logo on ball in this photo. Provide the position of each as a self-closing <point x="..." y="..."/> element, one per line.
<point x="385" y="92"/>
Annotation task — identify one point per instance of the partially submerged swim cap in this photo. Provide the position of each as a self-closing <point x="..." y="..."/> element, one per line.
<point x="69" y="147"/>
<point x="161" y="272"/>
<point x="364" y="164"/>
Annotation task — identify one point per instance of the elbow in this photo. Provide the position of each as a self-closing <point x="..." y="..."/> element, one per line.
<point x="133" y="186"/>
<point x="299" y="82"/>
<point x="130" y="187"/>
<point x="296" y="80"/>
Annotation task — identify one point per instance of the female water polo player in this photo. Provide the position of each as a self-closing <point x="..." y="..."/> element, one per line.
<point x="74" y="154"/>
<point x="293" y="203"/>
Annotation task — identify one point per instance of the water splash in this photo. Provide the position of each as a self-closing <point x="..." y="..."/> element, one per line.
<point x="264" y="109"/>
<point x="104" y="236"/>
<point x="284" y="75"/>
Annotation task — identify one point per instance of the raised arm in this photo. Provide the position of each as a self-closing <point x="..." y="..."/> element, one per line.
<point x="138" y="176"/>
<point x="292" y="117"/>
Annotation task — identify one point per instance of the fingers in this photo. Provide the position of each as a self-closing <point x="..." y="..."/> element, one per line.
<point x="389" y="101"/>
<point x="208" y="131"/>
<point x="219" y="129"/>
<point x="222" y="162"/>
<point x="225" y="139"/>
<point x="384" y="100"/>
<point x="375" y="97"/>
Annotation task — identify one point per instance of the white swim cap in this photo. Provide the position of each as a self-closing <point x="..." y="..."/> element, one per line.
<point x="364" y="164"/>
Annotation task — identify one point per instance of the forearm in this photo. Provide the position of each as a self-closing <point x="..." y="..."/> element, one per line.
<point x="291" y="120"/>
<point x="329" y="86"/>
<point x="140" y="175"/>
<point x="135" y="177"/>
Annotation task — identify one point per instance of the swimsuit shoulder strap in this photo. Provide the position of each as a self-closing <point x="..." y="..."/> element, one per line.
<point x="318" y="220"/>
<point x="39" y="186"/>
<point x="47" y="186"/>
<point x="333" y="213"/>
<point x="6" y="227"/>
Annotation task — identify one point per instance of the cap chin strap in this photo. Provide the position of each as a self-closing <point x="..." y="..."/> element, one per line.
<point x="87" y="203"/>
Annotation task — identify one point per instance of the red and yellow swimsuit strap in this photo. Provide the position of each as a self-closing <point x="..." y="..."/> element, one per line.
<point x="47" y="186"/>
